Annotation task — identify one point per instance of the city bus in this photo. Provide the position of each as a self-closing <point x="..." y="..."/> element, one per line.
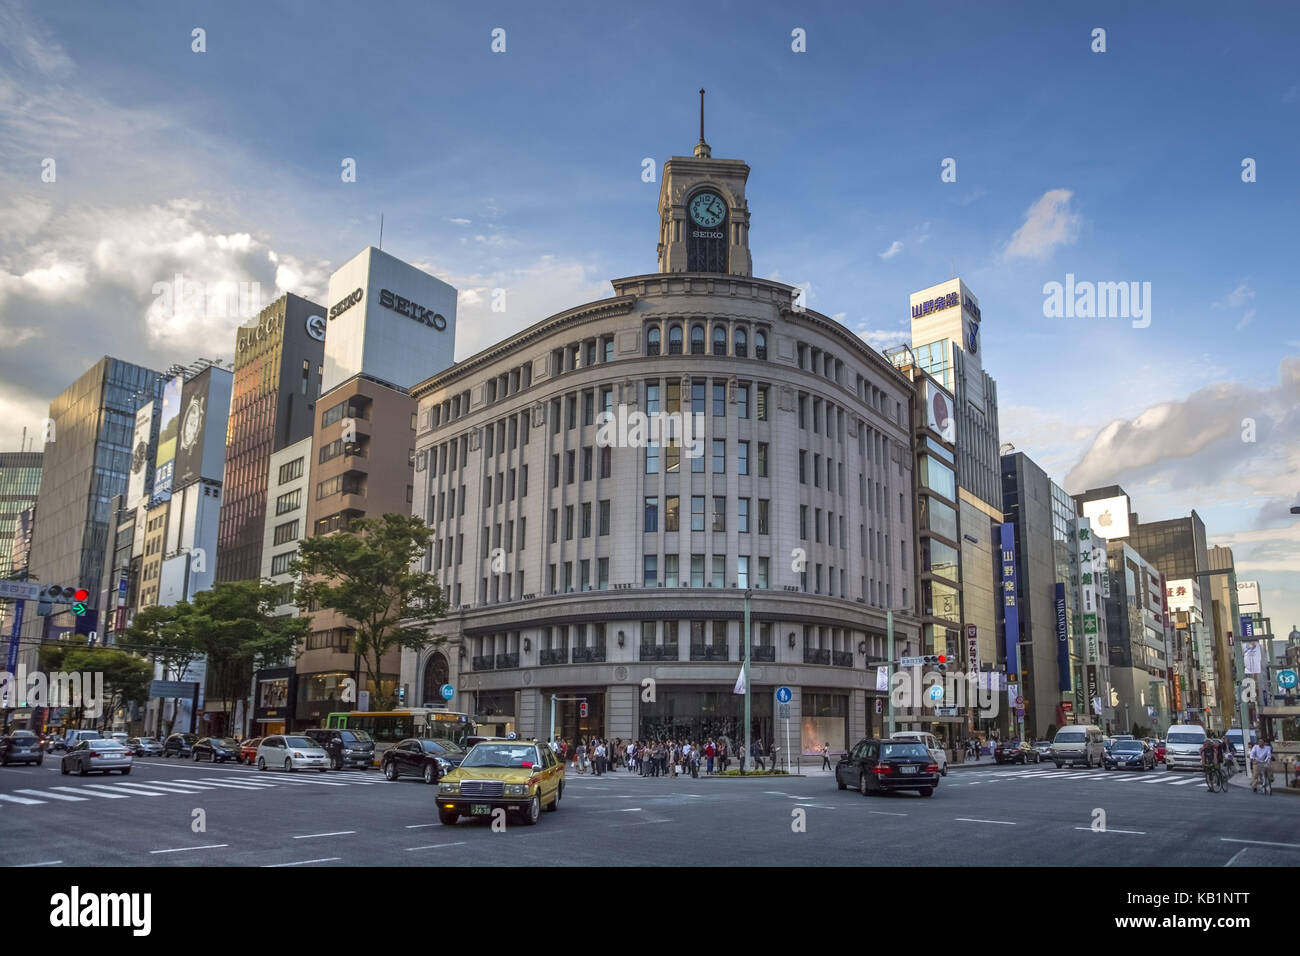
<point x="390" y="727"/>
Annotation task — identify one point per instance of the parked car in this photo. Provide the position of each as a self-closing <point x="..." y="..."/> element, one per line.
<point x="1159" y="748"/>
<point x="22" y="746"/>
<point x="1015" y="751"/>
<point x="292" y="752"/>
<point x="1044" y="749"/>
<point x="179" y="745"/>
<point x="518" y="776"/>
<point x="54" y="743"/>
<point x="1130" y="754"/>
<point x="99" y="755"/>
<point x="1079" y="743"/>
<point x="346" y="748"/>
<point x="422" y="757"/>
<point x="248" y="750"/>
<point x="215" y="749"/>
<point x="874" y="765"/>
<point x="1183" y="745"/>
<point x="121" y="736"/>
<point x="145" y="746"/>
<point x="937" y="753"/>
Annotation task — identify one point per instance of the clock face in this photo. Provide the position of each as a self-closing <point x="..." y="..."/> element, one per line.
<point x="138" y="459"/>
<point x="707" y="209"/>
<point x="193" y="424"/>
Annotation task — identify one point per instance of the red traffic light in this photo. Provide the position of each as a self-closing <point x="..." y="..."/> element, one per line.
<point x="81" y="596"/>
<point x="943" y="658"/>
<point x="582" y="709"/>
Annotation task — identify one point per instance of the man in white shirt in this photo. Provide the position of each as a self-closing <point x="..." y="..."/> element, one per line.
<point x="1261" y="757"/>
<point x="600" y="757"/>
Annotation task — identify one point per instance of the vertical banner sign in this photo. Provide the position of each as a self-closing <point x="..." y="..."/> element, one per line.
<point x="972" y="648"/>
<point x="1010" y="597"/>
<point x="13" y="648"/>
<point x="1062" y="640"/>
<point x="1247" y="626"/>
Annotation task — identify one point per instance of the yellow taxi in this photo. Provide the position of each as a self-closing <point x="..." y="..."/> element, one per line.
<point x="519" y="776"/>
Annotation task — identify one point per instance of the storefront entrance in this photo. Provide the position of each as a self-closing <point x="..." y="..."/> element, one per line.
<point x="690" y="714"/>
<point x="568" y="714"/>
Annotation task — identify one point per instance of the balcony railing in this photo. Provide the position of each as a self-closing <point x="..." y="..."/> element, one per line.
<point x="763" y="653"/>
<point x="588" y="655"/>
<point x="507" y="661"/>
<point x="709" y="653"/>
<point x="484" y="663"/>
<point x="842" y="658"/>
<point x="658" y="652"/>
<point x="817" y="655"/>
<point x="554" y="655"/>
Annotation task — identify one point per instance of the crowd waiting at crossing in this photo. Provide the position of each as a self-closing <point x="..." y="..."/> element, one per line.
<point x="659" y="758"/>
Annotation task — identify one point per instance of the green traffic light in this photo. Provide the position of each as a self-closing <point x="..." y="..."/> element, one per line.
<point x="79" y="609"/>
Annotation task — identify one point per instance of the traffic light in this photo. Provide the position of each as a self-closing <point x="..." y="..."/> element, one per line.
<point x="582" y="709"/>
<point x="79" y="599"/>
<point x="938" y="662"/>
<point x="62" y="594"/>
<point x="401" y="694"/>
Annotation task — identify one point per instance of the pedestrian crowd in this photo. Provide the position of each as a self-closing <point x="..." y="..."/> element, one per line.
<point x="655" y="758"/>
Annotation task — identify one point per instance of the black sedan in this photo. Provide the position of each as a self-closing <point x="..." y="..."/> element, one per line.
<point x="179" y="745"/>
<point x="1015" y="751"/>
<point x="1130" y="755"/>
<point x="22" y="746"/>
<point x="875" y="765"/>
<point x="429" y="758"/>
<point x="215" y="749"/>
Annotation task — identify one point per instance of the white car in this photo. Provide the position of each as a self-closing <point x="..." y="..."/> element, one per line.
<point x="102" y="756"/>
<point x="937" y="753"/>
<point x="292" y="752"/>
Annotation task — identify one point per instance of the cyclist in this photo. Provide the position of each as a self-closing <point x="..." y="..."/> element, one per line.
<point x="1211" y="756"/>
<point x="1229" y="756"/>
<point x="1262" y="757"/>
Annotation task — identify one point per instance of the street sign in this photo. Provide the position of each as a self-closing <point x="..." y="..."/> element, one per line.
<point x="448" y="692"/>
<point x="945" y="711"/>
<point x="783" y="695"/>
<point x="1286" y="679"/>
<point x="1020" y="702"/>
<point x="1020" y="712"/>
<point x="912" y="661"/>
<point x="783" y="711"/>
<point x="19" y="590"/>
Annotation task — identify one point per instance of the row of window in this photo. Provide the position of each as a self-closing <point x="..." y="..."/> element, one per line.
<point x="717" y="578"/>
<point x="291" y="470"/>
<point x="700" y="340"/>
<point x="672" y="514"/>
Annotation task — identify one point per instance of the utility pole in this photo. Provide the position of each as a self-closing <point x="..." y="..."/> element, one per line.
<point x="748" y="592"/>
<point x="889" y="691"/>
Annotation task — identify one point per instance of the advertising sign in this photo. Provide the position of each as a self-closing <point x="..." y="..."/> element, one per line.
<point x="169" y="424"/>
<point x="1109" y="516"/>
<point x="1010" y="595"/>
<point x="1062" y="640"/>
<point x="193" y="418"/>
<point x="972" y="648"/>
<point x="939" y="411"/>
<point x="1250" y="652"/>
<point x="137" y="484"/>
<point x="1182" y="594"/>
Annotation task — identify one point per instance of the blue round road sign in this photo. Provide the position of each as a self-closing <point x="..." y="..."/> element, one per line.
<point x="783" y="695"/>
<point x="448" y="692"/>
<point x="1286" y="679"/>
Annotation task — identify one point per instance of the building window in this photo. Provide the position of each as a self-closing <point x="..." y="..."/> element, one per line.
<point x="291" y="470"/>
<point x="719" y="513"/>
<point x="286" y="532"/>
<point x="742" y="458"/>
<point x="650" y="574"/>
<point x="568" y="522"/>
<point x="280" y="563"/>
<point x="604" y="517"/>
<point x="762" y="459"/>
<point x="697" y="512"/>
<point x="602" y="571"/>
<point x="652" y="340"/>
<point x="742" y="571"/>
<point x="763" y="565"/>
<point x="652" y="514"/>
<point x="652" y="459"/>
<point x="719" y="456"/>
<point x="719" y="340"/>
<point x="697" y="340"/>
<point x="740" y="343"/>
<point x="760" y="345"/>
<point x="742" y="516"/>
<point x="672" y="507"/>
<point x="674" y="340"/>
<point x="763" y="506"/>
<point x="763" y="401"/>
<point x="719" y="399"/>
<point x="671" y="571"/>
<point x="719" y="578"/>
<point x="742" y="401"/>
<point x="697" y="570"/>
<point x="288" y="502"/>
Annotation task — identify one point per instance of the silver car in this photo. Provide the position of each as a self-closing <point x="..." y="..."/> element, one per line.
<point x="145" y="746"/>
<point x="292" y="752"/>
<point x="103" y="756"/>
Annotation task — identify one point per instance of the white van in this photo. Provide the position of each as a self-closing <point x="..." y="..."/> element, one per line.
<point x="1183" y="746"/>
<point x="937" y="753"/>
<point x="1234" y="735"/>
<point x="1079" y="744"/>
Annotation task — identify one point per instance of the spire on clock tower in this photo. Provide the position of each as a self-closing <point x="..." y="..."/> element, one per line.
<point x="703" y="215"/>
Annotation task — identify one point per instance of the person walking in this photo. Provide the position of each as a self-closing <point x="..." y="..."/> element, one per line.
<point x="826" y="756"/>
<point x="580" y="758"/>
<point x="710" y="751"/>
<point x="756" y="751"/>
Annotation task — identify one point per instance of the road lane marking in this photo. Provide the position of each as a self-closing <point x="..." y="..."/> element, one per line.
<point x="116" y="787"/>
<point x="242" y="786"/>
<point x="1109" y="830"/>
<point x="25" y="800"/>
<point x="1236" y="855"/>
<point x="1183" y="783"/>
<point x="186" y="849"/>
<point x="50" y="796"/>
<point x="251" y="784"/>
<point x="1005" y="823"/>
<point x="435" y="846"/>
<point x="57" y="862"/>
<point x="886" y="813"/>
<point x="327" y="859"/>
<point x="418" y="826"/>
<point x="630" y="810"/>
<point x="95" y="793"/>
<point x="312" y="836"/>
<point x="1289" y="846"/>
<point x="164" y="787"/>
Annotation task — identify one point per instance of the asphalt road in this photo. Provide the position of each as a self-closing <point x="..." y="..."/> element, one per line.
<point x="1004" y="816"/>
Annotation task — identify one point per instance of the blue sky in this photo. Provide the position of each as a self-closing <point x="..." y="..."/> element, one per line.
<point x="522" y="170"/>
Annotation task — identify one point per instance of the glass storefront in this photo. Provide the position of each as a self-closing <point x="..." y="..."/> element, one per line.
<point x="698" y="714"/>
<point x="825" y="720"/>
<point x="938" y="517"/>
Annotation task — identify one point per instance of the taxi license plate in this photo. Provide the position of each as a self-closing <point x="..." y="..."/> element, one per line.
<point x="909" y="769"/>
<point x="480" y="809"/>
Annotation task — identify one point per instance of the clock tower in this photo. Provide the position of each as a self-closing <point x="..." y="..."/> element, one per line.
<point x="703" y="216"/>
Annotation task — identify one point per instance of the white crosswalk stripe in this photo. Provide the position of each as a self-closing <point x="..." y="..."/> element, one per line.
<point x="13" y="799"/>
<point x="119" y="788"/>
<point x="1157" y="777"/>
<point x="51" y="796"/>
<point x="94" y="793"/>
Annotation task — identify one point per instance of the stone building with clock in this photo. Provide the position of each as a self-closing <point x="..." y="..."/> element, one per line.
<point x="607" y="563"/>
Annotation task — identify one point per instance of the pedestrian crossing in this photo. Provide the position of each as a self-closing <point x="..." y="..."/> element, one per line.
<point x="119" y="788"/>
<point x="1149" y="778"/>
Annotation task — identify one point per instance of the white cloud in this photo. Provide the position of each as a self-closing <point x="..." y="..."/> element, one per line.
<point x="881" y="339"/>
<point x="1048" y="223"/>
<point x="894" y="249"/>
<point x="1236" y="298"/>
<point x="460" y="222"/>
<point x="1245" y="320"/>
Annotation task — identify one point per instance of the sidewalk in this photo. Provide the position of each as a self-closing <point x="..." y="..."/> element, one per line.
<point x="1242" y="779"/>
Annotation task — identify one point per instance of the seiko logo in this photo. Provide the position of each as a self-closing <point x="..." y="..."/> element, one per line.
<point x="408" y="308"/>
<point x="700" y="234"/>
<point x="345" y="303"/>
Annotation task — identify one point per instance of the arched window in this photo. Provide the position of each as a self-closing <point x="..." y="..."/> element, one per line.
<point x="652" y="341"/>
<point x="760" y="345"/>
<point x="697" y="340"/>
<point x="719" y="340"/>
<point x="740" y="342"/>
<point x="435" y="675"/>
<point x="674" y="340"/>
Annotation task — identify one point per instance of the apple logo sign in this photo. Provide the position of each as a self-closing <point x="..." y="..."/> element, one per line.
<point x="1104" y="519"/>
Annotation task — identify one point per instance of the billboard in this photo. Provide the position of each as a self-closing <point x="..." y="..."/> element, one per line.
<point x="1109" y="516"/>
<point x="939" y="411"/>
<point x="137" y="484"/>
<point x="1010" y="596"/>
<point x="168" y="429"/>
<point x="1182" y="594"/>
<point x="1248" y="597"/>
<point x="201" y="437"/>
<point x="1062" y="640"/>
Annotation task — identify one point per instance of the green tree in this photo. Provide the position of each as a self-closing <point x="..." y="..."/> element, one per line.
<point x="126" y="676"/>
<point x="161" y="635"/>
<point x="234" y="627"/>
<point x="368" y="574"/>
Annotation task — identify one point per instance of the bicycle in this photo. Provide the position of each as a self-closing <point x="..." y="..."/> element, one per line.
<point x="1215" y="779"/>
<point x="1265" y="784"/>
